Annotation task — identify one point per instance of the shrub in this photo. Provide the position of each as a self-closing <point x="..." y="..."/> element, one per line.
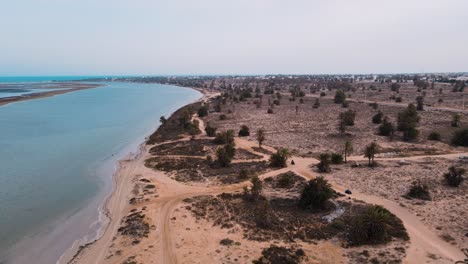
<point x="193" y="128"/>
<point x="340" y="97"/>
<point x="456" y="120"/>
<point x="322" y="94"/>
<point x="398" y="99"/>
<point x="257" y="187"/>
<point x="419" y="191"/>
<point x="371" y="227"/>
<point x="270" y="111"/>
<point x="285" y="180"/>
<point x="222" y="117"/>
<point x="386" y="128"/>
<point x="244" y="174"/>
<point x="244" y="131"/>
<point x="222" y="157"/>
<point x="345" y="104"/>
<point x="374" y="105"/>
<point x="276" y="102"/>
<point x="317" y="103"/>
<point x="224" y="137"/>
<point x="348" y="117"/>
<point x="420" y="103"/>
<point x="434" y="136"/>
<point x="377" y="118"/>
<point x="407" y="122"/>
<point x="203" y="111"/>
<point x="324" y="164"/>
<point x="455" y="176"/>
<point x="315" y="194"/>
<point x="210" y="131"/>
<point x="460" y="137"/>
<point x="336" y="158"/>
<point x="280" y="158"/>
<point x="163" y="120"/>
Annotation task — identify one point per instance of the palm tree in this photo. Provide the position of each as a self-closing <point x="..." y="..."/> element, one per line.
<point x="348" y="149"/>
<point x="260" y="137"/>
<point x="370" y="152"/>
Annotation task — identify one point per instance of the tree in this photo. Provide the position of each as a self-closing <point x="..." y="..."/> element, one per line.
<point x="348" y="149"/>
<point x="341" y="126"/>
<point x="260" y="137"/>
<point x="324" y="164"/>
<point x="370" y="152"/>
<point x="377" y="118"/>
<point x="455" y="176"/>
<point x="163" y="120"/>
<point x="210" y="131"/>
<point x="316" y="194"/>
<point x="386" y="128"/>
<point x="460" y="137"/>
<point x="257" y="187"/>
<point x="203" y="111"/>
<point x="280" y="158"/>
<point x="222" y="157"/>
<point x="244" y="131"/>
<point x="420" y="103"/>
<point x="224" y="137"/>
<point x="456" y="120"/>
<point x="340" y="97"/>
<point x="348" y="117"/>
<point x="407" y="122"/>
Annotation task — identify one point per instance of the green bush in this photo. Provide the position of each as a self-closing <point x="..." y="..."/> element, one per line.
<point x="270" y="111"/>
<point x="336" y="158"/>
<point x="222" y="117"/>
<point x="348" y="117"/>
<point x="377" y="118"/>
<point x="340" y="97"/>
<point x="315" y="194"/>
<point x="285" y="180"/>
<point x="224" y="137"/>
<point x="455" y="176"/>
<point x="210" y="131"/>
<point x="419" y="191"/>
<point x="244" y="131"/>
<point x="324" y="164"/>
<point x="203" y="111"/>
<point x="244" y="174"/>
<point x="460" y="137"/>
<point x="386" y="128"/>
<point x="370" y="227"/>
<point x="280" y="158"/>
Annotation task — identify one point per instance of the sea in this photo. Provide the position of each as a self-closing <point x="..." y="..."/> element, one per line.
<point x="57" y="159"/>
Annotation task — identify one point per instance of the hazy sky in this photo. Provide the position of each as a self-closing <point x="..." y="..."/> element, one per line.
<point x="113" y="37"/>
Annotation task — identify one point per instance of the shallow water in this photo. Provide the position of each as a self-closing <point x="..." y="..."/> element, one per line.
<point x="55" y="156"/>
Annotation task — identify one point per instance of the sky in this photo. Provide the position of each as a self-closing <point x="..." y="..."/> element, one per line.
<point x="174" y="37"/>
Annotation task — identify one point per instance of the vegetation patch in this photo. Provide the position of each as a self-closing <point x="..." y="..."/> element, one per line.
<point x="276" y="254"/>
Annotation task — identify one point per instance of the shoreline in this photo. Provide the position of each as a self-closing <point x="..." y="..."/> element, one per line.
<point x="106" y="208"/>
<point x="15" y="99"/>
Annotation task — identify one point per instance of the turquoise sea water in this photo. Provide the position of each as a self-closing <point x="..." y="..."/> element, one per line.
<point x="53" y="154"/>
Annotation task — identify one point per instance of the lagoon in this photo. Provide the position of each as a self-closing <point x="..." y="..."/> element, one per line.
<point x="57" y="156"/>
